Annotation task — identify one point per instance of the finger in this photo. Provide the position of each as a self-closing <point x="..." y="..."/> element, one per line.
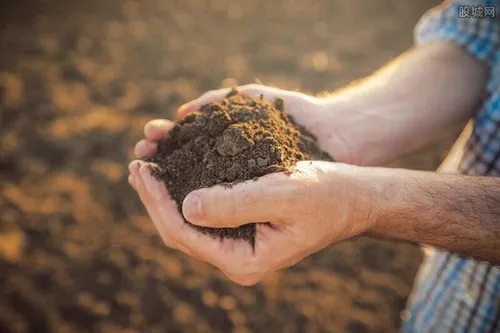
<point x="266" y="256"/>
<point x="253" y="90"/>
<point x="145" y="148"/>
<point x="137" y="170"/>
<point x="233" y="256"/>
<point x="268" y="93"/>
<point x="155" y="189"/>
<point x="291" y="99"/>
<point x="177" y="233"/>
<point x="131" y="180"/>
<point x="149" y="196"/>
<point x="227" y="254"/>
<point x="196" y="104"/>
<point x="133" y="168"/>
<point x="155" y="130"/>
<point x="263" y="200"/>
<point x="269" y="239"/>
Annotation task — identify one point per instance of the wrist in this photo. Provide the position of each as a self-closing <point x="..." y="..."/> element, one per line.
<point x="356" y="198"/>
<point x="391" y="202"/>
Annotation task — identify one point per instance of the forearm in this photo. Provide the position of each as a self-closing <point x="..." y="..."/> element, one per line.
<point x="410" y="102"/>
<point x="454" y="212"/>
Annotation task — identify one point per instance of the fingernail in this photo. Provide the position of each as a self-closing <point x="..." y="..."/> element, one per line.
<point x="192" y="209"/>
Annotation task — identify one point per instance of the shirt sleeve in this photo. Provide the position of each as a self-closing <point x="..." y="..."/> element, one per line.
<point x="473" y="25"/>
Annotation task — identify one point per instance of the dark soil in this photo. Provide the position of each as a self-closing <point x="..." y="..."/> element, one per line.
<point x="225" y="143"/>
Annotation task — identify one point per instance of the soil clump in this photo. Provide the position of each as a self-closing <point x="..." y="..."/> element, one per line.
<point x="224" y="143"/>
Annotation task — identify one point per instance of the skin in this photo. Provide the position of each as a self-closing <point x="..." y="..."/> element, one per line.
<point x="407" y="104"/>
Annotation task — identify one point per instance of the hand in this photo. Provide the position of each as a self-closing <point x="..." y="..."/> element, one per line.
<point x="307" y="210"/>
<point x="320" y="203"/>
<point x="315" y="114"/>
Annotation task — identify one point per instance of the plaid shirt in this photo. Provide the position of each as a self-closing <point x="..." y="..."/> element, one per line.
<point x="454" y="293"/>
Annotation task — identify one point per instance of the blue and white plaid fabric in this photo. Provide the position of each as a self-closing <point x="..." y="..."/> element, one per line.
<point x="453" y="293"/>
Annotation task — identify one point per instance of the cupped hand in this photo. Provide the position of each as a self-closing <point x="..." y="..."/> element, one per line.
<point x="305" y="211"/>
<point x="313" y="113"/>
<point x="314" y="206"/>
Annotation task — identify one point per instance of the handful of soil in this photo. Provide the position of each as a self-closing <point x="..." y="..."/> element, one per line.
<point x="225" y="143"/>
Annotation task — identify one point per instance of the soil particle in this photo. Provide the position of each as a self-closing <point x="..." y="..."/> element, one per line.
<point x="251" y="163"/>
<point x="262" y="161"/>
<point x="229" y="142"/>
<point x="234" y="140"/>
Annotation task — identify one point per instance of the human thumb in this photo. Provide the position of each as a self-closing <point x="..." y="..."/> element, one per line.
<point x="252" y="201"/>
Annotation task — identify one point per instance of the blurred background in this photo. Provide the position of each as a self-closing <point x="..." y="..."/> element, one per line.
<point x="79" y="79"/>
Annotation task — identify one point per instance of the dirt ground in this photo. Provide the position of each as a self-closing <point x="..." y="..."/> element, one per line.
<point x="79" y="80"/>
